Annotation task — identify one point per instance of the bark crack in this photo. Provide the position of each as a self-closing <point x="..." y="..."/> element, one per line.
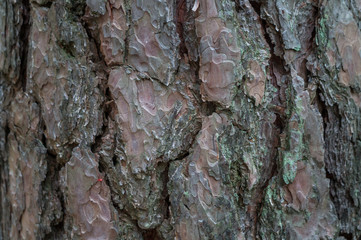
<point x="179" y="19"/>
<point x="129" y="31"/>
<point x="4" y="179"/>
<point x="24" y="42"/>
<point x="277" y="66"/>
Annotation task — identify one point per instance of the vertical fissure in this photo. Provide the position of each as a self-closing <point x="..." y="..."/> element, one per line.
<point x="165" y="192"/>
<point x="277" y="66"/>
<point x="179" y="19"/>
<point x="24" y="42"/>
<point x="331" y="120"/>
<point x="129" y="31"/>
<point x="150" y="234"/>
<point x="50" y="188"/>
<point x="4" y="178"/>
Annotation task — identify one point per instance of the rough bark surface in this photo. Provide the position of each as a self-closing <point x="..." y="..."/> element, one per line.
<point x="180" y="119"/>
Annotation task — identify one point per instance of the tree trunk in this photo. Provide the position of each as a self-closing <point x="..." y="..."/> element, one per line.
<point x="180" y="119"/>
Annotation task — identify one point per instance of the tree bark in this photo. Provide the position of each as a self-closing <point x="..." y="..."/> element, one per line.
<point x="180" y="119"/>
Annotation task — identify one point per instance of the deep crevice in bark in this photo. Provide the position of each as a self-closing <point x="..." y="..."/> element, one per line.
<point x="58" y="228"/>
<point x="278" y="106"/>
<point x="24" y="43"/>
<point x="208" y="107"/>
<point x="194" y="69"/>
<point x="47" y="4"/>
<point x="338" y="190"/>
<point x="51" y="188"/>
<point x="51" y="153"/>
<point x="165" y="197"/>
<point x="4" y="179"/>
<point x="129" y="31"/>
<point x="99" y="55"/>
<point x="237" y="6"/>
<point x="150" y="234"/>
<point x="182" y="155"/>
<point x="322" y="108"/>
<point x="180" y="18"/>
<point x="100" y="65"/>
<point x="276" y="63"/>
<point x="123" y="211"/>
<point x="347" y="236"/>
<point x="317" y="14"/>
<point x="107" y="111"/>
<point x="256" y="7"/>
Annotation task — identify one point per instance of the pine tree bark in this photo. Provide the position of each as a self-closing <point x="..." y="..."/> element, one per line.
<point x="180" y="119"/>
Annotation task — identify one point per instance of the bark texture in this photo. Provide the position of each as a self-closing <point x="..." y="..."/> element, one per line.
<point x="180" y="119"/>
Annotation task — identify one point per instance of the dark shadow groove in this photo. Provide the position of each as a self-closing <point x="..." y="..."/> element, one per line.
<point x="24" y="43"/>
